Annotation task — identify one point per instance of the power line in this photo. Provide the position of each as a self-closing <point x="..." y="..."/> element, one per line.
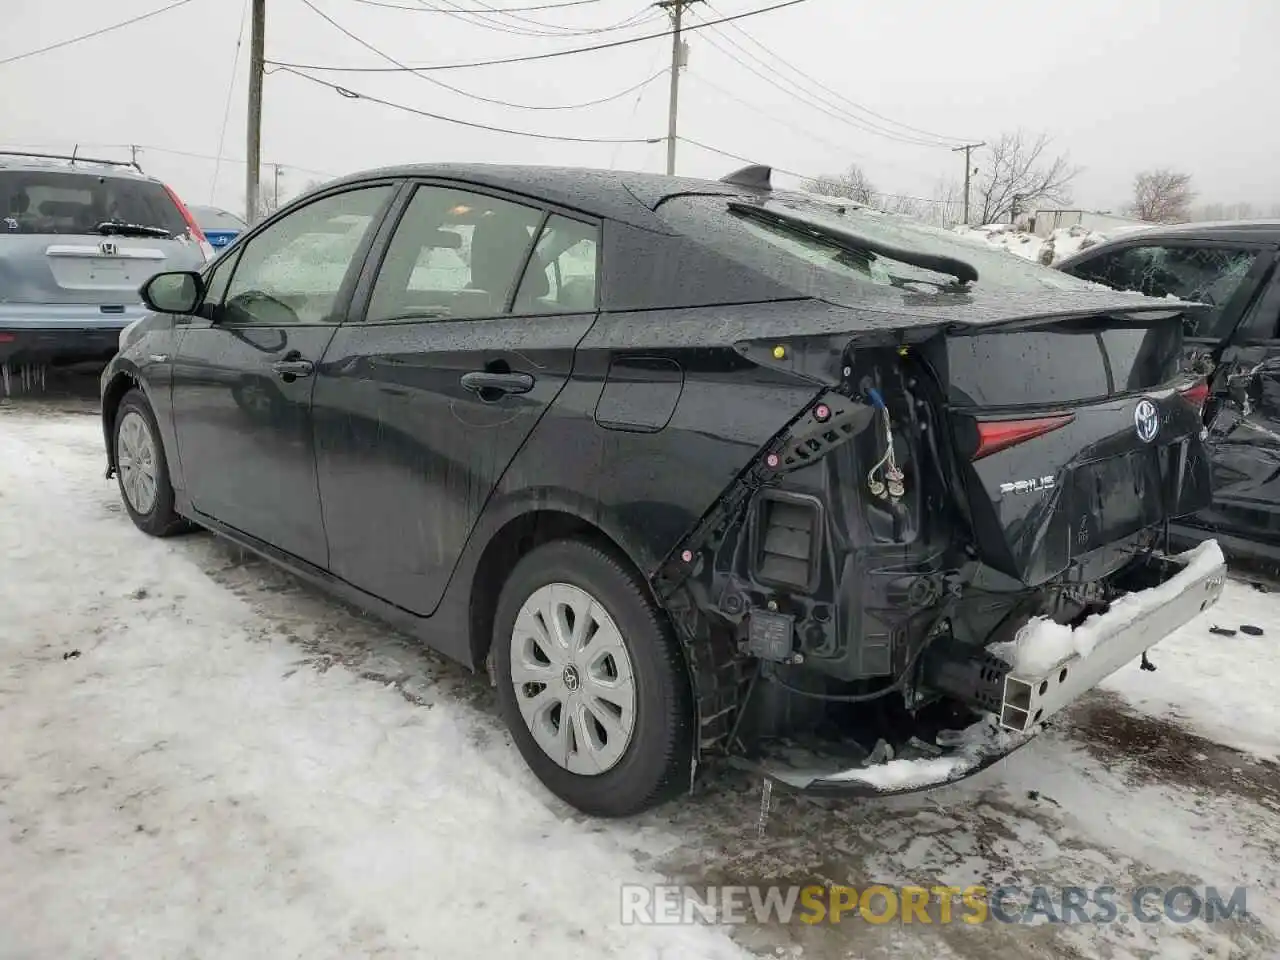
<point x="803" y="131"/>
<point x="534" y="28"/>
<point x="804" y="176"/>
<point x="835" y="93"/>
<point x="474" y="96"/>
<point x="94" y="33"/>
<point x="774" y="79"/>
<point x="537" y="56"/>
<point x="231" y="88"/>
<point x="422" y="9"/>
<point x="356" y="95"/>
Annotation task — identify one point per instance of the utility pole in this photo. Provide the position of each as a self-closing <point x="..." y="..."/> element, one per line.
<point x="675" y="8"/>
<point x="968" y="170"/>
<point x="253" y="151"/>
<point x="275" y="187"/>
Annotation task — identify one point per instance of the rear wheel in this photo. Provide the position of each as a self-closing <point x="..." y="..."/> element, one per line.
<point x="142" y="470"/>
<point x="591" y="681"/>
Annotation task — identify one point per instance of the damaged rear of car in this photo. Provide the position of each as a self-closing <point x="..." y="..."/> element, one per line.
<point x="963" y="531"/>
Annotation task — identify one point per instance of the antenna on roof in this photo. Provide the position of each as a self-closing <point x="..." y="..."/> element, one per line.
<point x="756" y="177"/>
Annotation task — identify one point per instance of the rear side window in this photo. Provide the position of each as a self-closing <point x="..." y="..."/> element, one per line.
<point x="561" y="276"/>
<point x="1211" y="274"/>
<point x="58" y="202"/>
<point x="1065" y="363"/>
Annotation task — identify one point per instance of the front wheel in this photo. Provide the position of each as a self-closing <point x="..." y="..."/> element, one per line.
<point x="591" y="681"/>
<point x="142" y="470"/>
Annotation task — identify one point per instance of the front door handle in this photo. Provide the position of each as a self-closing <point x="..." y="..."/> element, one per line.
<point x="492" y="385"/>
<point x="289" y="370"/>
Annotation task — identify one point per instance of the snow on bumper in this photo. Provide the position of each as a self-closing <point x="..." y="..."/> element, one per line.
<point x="1053" y="665"/>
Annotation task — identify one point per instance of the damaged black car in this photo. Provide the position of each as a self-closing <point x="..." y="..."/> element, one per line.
<point x="697" y="470"/>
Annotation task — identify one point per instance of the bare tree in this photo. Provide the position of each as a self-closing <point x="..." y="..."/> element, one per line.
<point x="1162" y="196"/>
<point x="853" y="184"/>
<point x="1019" y="173"/>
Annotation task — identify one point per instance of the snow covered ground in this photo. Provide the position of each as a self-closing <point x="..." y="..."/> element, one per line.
<point x="201" y="758"/>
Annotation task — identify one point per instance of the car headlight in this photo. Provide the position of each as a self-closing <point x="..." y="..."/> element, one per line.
<point x="124" y="335"/>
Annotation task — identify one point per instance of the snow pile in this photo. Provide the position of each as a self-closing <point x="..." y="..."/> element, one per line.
<point x="1062" y="243"/>
<point x="1042" y="644"/>
<point x="177" y="779"/>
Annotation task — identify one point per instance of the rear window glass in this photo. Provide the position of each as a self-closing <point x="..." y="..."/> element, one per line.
<point x="57" y="202"/>
<point x="1063" y="363"/>
<point x="210" y="218"/>
<point x="818" y="266"/>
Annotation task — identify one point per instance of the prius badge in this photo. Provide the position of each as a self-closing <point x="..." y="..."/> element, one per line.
<point x="1146" y="420"/>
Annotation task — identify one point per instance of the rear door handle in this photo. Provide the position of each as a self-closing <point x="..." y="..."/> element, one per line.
<point x="483" y="381"/>
<point x="291" y="369"/>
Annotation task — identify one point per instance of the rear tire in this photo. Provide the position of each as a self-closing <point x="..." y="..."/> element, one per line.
<point x="142" y="471"/>
<point x="622" y="745"/>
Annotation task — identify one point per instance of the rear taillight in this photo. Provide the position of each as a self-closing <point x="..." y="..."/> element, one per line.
<point x="192" y="227"/>
<point x="7" y="338"/>
<point x="1196" y="394"/>
<point x="996" y="435"/>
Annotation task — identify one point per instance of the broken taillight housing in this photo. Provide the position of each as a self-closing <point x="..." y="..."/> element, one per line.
<point x="997" y="435"/>
<point x="1196" y="394"/>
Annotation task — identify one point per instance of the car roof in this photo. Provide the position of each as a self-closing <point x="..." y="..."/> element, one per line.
<point x="627" y="196"/>
<point x="88" y="168"/>
<point x="1256" y="230"/>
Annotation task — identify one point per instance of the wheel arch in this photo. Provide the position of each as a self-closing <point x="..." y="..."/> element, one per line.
<point x="122" y="381"/>
<point x="520" y="532"/>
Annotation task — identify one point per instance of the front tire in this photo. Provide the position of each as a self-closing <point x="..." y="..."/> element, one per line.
<point x="142" y="471"/>
<point x="591" y="681"/>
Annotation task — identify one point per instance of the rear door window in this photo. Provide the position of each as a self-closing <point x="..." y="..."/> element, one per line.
<point x="63" y="202"/>
<point x="1202" y="274"/>
<point x="455" y="255"/>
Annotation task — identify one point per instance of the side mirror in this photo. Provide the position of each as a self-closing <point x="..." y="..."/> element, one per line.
<point x="179" y="292"/>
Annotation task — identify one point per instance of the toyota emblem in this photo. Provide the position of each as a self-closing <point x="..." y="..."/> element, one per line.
<point x="1146" y="420"/>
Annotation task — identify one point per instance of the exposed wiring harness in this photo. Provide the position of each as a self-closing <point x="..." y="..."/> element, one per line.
<point x="892" y="484"/>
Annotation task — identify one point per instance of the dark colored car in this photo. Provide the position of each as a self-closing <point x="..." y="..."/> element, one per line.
<point x="1230" y="267"/>
<point x="77" y="239"/>
<point x="697" y="468"/>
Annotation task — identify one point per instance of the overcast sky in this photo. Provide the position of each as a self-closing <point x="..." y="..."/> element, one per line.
<point x="1120" y="86"/>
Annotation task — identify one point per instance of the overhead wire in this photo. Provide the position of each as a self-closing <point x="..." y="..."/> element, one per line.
<point x="422" y="9"/>
<point x="852" y="104"/>
<point x="774" y="79"/>
<point x="231" y="88"/>
<point x="94" y="33"/>
<point x="528" y="58"/>
<point x="797" y="174"/>
<point x="356" y="95"/>
<point x="527" y="27"/>
<point x="458" y="90"/>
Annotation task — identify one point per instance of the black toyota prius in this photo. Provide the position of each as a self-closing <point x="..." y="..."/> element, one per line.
<point x="695" y="469"/>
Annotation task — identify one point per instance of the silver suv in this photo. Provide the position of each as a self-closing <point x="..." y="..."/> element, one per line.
<point x="77" y="239"/>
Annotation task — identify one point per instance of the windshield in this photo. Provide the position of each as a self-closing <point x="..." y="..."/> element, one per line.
<point x="821" y="266"/>
<point x="58" y="202"/>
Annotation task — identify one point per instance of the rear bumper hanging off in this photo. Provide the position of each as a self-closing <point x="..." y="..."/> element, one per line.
<point x="1165" y="593"/>
<point x="1186" y="586"/>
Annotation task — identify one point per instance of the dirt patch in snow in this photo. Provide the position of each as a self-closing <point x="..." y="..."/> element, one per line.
<point x="1156" y="749"/>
